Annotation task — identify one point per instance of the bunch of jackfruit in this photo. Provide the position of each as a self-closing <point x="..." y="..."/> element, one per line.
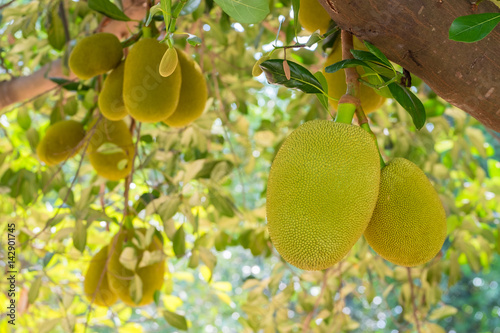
<point x="326" y="189"/>
<point x="130" y="268"/>
<point x="134" y="86"/>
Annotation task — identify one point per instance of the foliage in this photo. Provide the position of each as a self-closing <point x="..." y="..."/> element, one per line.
<point x="203" y="187"/>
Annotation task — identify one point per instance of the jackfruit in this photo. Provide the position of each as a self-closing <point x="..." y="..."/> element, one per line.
<point x="193" y="95"/>
<point x="111" y="97"/>
<point x="111" y="149"/>
<point x="95" y="54"/>
<point x="61" y="141"/>
<point x="148" y="96"/>
<point x="104" y="296"/>
<point x="151" y="276"/>
<point x="312" y="16"/>
<point x="408" y="226"/>
<point x="370" y="100"/>
<point x="321" y="192"/>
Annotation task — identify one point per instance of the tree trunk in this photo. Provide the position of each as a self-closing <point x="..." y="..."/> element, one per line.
<point x="414" y="34"/>
<point x="26" y="87"/>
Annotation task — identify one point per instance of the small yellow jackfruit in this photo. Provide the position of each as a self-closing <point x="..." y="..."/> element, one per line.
<point x="148" y="96"/>
<point x="121" y="277"/>
<point x="111" y="149"/>
<point x="321" y="192"/>
<point x="312" y="16"/>
<point x="61" y="141"/>
<point x="95" y="54"/>
<point x="370" y="100"/>
<point x="103" y="296"/>
<point x="111" y="97"/>
<point x="193" y="95"/>
<point x="408" y="226"/>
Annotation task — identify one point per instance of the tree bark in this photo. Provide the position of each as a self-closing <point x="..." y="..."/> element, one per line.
<point x="26" y="87"/>
<point x="414" y="34"/>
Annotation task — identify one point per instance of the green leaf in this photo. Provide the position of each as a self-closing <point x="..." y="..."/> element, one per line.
<point x="321" y="97"/>
<point x="180" y="242"/>
<point x="80" y="236"/>
<point x="136" y="288"/>
<point x="346" y="64"/>
<point x="109" y="9"/>
<point x="152" y="12"/>
<point x="68" y="84"/>
<point x="175" y="320"/>
<point x="472" y="28"/>
<point x="300" y="77"/>
<point x="245" y="11"/>
<point x="189" y="7"/>
<point x="443" y="312"/>
<point x="71" y="106"/>
<point x="33" y="138"/>
<point x="109" y="148"/>
<point x="221" y="203"/>
<point x="128" y="258"/>
<point x="194" y="40"/>
<point x="56" y="35"/>
<point x="376" y="52"/>
<point x="410" y="103"/>
<point x="34" y="290"/>
<point x="315" y="37"/>
<point x="23" y="118"/>
<point x="370" y="57"/>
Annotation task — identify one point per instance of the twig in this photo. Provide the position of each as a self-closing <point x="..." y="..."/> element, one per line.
<point x="7" y="4"/>
<point x="417" y="323"/>
<point x="324" y="282"/>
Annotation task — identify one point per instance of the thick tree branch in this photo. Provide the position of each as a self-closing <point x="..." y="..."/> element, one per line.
<point x="26" y="87"/>
<point x="414" y="34"/>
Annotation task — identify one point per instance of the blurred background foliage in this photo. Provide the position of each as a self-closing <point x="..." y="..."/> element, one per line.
<point x="204" y="188"/>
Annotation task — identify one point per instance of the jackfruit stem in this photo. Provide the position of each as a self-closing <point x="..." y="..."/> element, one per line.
<point x="345" y="113"/>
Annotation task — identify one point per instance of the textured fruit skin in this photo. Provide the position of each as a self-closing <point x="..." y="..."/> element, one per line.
<point x="120" y="277"/>
<point x="61" y="141"/>
<point x="148" y="96"/>
<point x="111" y="97"/>
<point x="104" y="296"/>
<point x="408" y="226"/>
<point x="106" y="165"/>
<point x="95" y="54"/>
<point x="321" y="192"/>
<point x="370" y="100"/>
<point x="312" y="16"/>
<point x="193" y="95"/>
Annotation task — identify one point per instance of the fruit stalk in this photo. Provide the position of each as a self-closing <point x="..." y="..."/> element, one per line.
<point x="352" y="82"/>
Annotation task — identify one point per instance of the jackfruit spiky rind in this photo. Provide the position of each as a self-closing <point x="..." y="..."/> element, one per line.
<point x="408" y="226"/>
<point x="104" y="296"/>
<point x="61" y="141"/>
<point x="111" y="97"/>
<point x="106" y="164"/>
<point x="312" y="16"/>
<point x="193" y="95"/>
<point x="321" y="192"/>
<point x="120" y="278"/>
<point x="95" y="54"/>
<point x="370" y="100"/>
<point x="148" y="96"/>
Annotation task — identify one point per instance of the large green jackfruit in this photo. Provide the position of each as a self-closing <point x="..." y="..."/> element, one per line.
<point x="103" y="296"/>
<point x="321" y="192"/>
<point x="193" y="95"/>
<point x="95" y="54"/>
<point x="148" y="96"/>
<point x="111" y="149"/>
<point x="408" y="226"/>
<point x="121" y="278"/>
<point x="61" y="141"/>
<point x="111" y="97"/>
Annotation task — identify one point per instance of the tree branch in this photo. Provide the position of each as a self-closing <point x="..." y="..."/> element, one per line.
<point x="414" y="34"/>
